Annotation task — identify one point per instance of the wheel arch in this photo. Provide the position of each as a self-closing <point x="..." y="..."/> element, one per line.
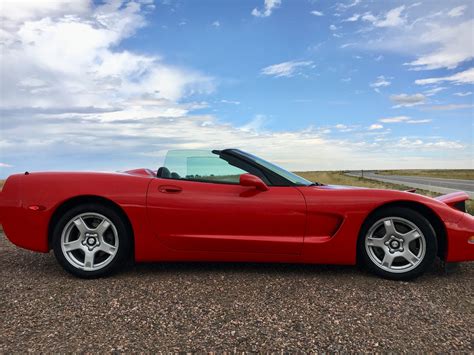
<point x="425" y="211"/>
<point x="84" y="199"/>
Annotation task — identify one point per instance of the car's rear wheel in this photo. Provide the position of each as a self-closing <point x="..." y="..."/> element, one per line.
<point x="397" y="243"/>
<point x="91" y="241"/>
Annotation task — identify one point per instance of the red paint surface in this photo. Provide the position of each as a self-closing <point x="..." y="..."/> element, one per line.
<point x="184" y="220"/>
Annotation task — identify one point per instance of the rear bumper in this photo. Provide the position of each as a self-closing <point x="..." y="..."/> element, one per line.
<point x="459" y="247"/>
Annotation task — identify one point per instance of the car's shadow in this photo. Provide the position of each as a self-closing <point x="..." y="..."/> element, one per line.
<point x="235" y="267"/>
<point x="270" y="269"/>
<point x="45" y="264"/>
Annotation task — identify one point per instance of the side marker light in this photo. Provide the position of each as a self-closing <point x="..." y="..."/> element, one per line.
<point x="36" y="208"/>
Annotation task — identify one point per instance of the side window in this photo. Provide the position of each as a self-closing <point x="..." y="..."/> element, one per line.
<point x="199" y="165"/>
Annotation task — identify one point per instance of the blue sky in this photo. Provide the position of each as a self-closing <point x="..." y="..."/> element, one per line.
<point x="309" y="84"/>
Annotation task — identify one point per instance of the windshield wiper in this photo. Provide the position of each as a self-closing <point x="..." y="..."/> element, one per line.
<point x="316" y="184"/>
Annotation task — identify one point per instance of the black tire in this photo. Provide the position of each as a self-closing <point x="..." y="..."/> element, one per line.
<point x="120" y="235"/>
<point x="400" y="215"/>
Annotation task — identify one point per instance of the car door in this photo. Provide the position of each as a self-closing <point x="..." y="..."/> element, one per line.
<point x="220" y="215"/>
<point x="189" y="215"/>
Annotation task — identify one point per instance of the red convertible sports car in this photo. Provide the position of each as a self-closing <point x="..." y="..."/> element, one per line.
<point x="228" y="205"/>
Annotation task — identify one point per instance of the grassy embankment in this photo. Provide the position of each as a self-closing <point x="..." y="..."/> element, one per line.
<point x="339" y="178"/>
<point x="463" y="174"/>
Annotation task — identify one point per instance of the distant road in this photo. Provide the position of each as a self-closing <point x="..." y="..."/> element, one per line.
<point x="424" y="183"/>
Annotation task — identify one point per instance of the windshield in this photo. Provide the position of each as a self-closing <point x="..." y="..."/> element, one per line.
<point x="199" y="165"/>
<point x="295" y="179"/>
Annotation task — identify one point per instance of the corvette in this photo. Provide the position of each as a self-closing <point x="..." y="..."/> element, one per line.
<point x="229" y="205"/>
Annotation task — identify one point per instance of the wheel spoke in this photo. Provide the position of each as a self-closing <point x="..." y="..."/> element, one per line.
<point x="411" y="236"/>
<point x="102" y="227"/>
<point x="107" y="248"/>
<point x="389" y="227"/>
<point x="388" y="260"/>
<point x="89" y="260"/>
<point x="81" y="225"/>
<point x="410" y="257"/>
<point x="376" y="242"/>
<point x="74" y="245"/>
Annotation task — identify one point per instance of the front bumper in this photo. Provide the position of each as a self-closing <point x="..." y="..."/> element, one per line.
<point x="460" y="248"/>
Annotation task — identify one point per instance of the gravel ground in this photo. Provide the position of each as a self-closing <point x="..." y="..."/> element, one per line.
<point x="229" y="307"/>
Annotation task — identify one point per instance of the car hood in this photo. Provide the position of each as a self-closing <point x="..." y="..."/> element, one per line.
<point x="455" y="200"/>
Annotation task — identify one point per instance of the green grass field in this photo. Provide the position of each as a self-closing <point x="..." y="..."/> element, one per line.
<point x="339" y="178"/>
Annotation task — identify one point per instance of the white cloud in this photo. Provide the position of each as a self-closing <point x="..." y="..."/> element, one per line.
<point x="449" y="107"/>
<point x="286" y="69"/>
<point x="381" y="81"/>
<point x="269" y="6"/>
<point x="18" y="11"/>
<point x="353" y="18"/>
<point x="5" y="165"/>
<point x="232" y="102"/>
<point x="346" y="45"/>
<point x="453" y="45"/>
<point x="419" y="121"/>
<point x="141" y="135"/>
<point x="392" y="18"/>
<point x="416" y="143"/>
<point x="403" y="119"/>
<point x="333" y="27"/>
<point x="415" y="4"/>
<point x="71" y="60"/>
<point x="396" y="119"/>
<point x="317" y="13"/>
<point x="426" y="34"/>
<point x="216" y="24"/>
<point x="434" y="91"/>
<point x="256" y="124"/>
<point x="464" y="77"/>
<point x="457" y="11"/>
<point x="405" y="100"/>
<point x="463" y="94"/>
<point x="345" y="6"/>
<point x="369" y="17"/>
<point x="375" y="126"/>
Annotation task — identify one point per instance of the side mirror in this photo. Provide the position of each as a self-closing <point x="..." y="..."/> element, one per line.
<point x="252" y="180"/>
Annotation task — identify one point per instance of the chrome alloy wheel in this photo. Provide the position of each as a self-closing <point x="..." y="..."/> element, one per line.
<point x="395" y="244"/>
<point x="89" y="241"/>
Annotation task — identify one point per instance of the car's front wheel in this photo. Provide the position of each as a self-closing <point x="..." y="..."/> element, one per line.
<point x="90" y="241"/>
<point x="397" y="243"/>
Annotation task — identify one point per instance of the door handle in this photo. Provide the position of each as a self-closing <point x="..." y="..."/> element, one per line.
<point x="170" y="189"/>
